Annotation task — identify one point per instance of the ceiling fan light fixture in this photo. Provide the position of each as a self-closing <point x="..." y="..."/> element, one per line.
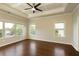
<point x="33" y="9"/>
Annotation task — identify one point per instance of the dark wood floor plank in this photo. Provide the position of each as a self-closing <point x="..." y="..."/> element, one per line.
<point x="37" y="48"/>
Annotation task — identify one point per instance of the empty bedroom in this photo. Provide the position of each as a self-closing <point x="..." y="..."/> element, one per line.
<point x="39" y="29"/>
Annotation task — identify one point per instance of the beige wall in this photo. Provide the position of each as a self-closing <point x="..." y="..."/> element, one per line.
<point x="45" y="28"/>
<point x="13" y="19"/>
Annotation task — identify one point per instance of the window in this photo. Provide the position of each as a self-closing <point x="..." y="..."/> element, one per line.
<point x="19" y="29"/>
<point x="33" y="29"/>
<point x="59" y="29"/>
<point x="1" y="29"/>
<point x="9" y="29"/>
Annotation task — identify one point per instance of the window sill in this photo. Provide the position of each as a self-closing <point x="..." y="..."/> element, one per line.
<point x="14" y="36"/>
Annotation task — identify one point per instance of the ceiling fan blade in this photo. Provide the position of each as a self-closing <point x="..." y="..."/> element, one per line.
<point x="37" y="5"/>
<point x="30" y="5"/>
<point x="27" y="8"/>
<point x="38" y="9"/>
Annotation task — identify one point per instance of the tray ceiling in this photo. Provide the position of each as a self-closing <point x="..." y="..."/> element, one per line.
<point x="48" y="8"/>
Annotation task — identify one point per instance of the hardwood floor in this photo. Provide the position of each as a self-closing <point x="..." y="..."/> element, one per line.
<point x="37" y="48"/>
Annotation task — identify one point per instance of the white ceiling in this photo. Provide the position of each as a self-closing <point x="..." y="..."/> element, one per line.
<point x="43" y="6"/>
<point x="48" y="8"/>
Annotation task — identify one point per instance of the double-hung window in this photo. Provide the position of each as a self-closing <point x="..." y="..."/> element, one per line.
<point x="9" y="29"/>
<point x="59" y="29"/>
<point x="32" y="29"/>
<point x="19" y="29"/>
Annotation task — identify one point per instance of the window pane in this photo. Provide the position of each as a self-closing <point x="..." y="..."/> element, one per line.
<point x="9" y="29"/>
<point x="1" y="29"/>
<point x="9" y="25"/>
<point x="60" y="33"/>
<point x="19" y="29"/>
<point x="33" y="29"/>
<point x="59" y="26"/>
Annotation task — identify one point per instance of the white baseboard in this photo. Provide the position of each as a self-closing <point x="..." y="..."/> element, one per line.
<point x="52" y="41"/>
<point x="75" y="48"/>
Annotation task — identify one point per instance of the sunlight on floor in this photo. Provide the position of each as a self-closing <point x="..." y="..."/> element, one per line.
<point x="33" y="48"/>
<point x="59" y="52"/>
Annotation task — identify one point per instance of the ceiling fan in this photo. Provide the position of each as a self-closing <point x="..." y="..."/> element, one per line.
<point x="34" y="7"/>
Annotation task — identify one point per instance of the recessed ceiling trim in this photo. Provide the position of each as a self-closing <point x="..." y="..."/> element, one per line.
<point x="49" y="9"/>
<point x="20" y="13"/>
<point x="58" y="10"/>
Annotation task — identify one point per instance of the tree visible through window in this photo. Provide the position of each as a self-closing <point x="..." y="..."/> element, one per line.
<point x="33" y="29"/>
<point x="9" y="29"/>
<point x="19" y="29"/>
